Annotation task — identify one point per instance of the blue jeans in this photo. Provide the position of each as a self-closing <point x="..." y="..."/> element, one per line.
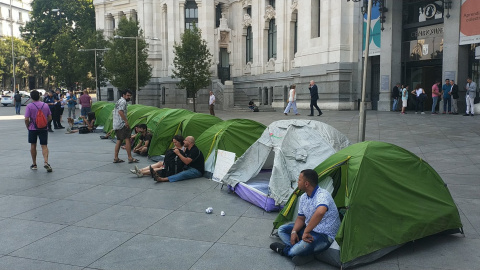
<point x="447" y="100"/>
<point x="395" y="104"/>
<point x="184" y="175"/>
<point x="434" y="104"/>
<point x="18" y="105"/>
<point x="291" y="105"/>
<point x="320" y="242"/>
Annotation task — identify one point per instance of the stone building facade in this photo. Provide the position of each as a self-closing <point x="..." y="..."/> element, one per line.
<point x="14" y="16"/>
<point x="261" y="47"/>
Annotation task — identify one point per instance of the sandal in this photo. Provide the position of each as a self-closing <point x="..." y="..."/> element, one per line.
<point x="133" y="160"/>
<point x="33" y="167"/>
<point x="152" y="171"/>
<point x="118" y="160"/>
<point x="48" y="167"/>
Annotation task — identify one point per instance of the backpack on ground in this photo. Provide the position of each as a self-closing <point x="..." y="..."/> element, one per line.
<point x="172" y="164"/>
<point x="255" y="109"/>
<point x="40" y="119"/>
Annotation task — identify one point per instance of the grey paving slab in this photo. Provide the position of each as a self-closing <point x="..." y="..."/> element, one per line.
<point x="74" y="245"/>
<point x="15" y="233"/>
<point x="40" y="175"/>
<point x="220" y="200"/>
<point x="418" y="254"/>
<point x="14" y="205"/>
<point x="464" y="191"/>
<point x="55" y="190"/>
<point x="469" y="208"/>
<point x="197" y="185"/>
<point x="105" y="194"/>
<point x="153" y="252"/>
<point x="252" y="232"/>
<point x="160" y="199"/>
<point x="9" y="262"/>
<point x="459" y="179"/>
<point x="92" y="177"/>
<point x="131" y="180"/>
<point x="241" y="257"/>
<point x="124" y="218"/>
<point x="63" y="211"/>
<point x="13" y="185"/>
<point x="257" y="212"/>
<point x="193" y="226"/>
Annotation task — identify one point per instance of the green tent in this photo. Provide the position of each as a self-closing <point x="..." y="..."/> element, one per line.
<point x="98" y="105"/>
<point x="389" y="197"/>
<point x="235" y="135"/>
<point x="103" y="113"/>
<point x="137" y="114"/>
<point x="195" y="124"/>
<point x="166" y="125"/>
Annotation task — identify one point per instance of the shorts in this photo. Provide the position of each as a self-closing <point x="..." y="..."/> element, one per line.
<point x="41" y="134"/>
<point x="123" y="133"/>
<point x="404" y="103"/>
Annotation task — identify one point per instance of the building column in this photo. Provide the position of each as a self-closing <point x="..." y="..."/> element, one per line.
<point x="390" y="56"/>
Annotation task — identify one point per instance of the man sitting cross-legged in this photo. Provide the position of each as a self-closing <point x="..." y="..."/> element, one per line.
<point x="193" y="160"/>
<point x="316" y="225"/>
<point x="144" y="141"/>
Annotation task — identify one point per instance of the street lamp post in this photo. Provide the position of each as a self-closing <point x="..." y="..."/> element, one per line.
<point x="97" y="89"/>
<point x="363" y="113"/>
<point x="13" y="51"/>
<point x="136" y="61"/>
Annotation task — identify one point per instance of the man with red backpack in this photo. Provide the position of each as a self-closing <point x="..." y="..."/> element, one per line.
<point x="37" y="116"/>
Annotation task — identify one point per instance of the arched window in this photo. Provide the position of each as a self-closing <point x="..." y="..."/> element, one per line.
<point x="272" y="39"/>
<point x="249" y="45"/>
<point x="191" y="14"/>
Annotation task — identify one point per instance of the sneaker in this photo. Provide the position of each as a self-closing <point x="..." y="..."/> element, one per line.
<point x="278" y="247"/>
<point x="48" y="167"/>
<point x="139" y="174"/>
<point x="402" y="113"/>
<point x="301" y="260"/>
<point x="466" y="114"/>
<point x="133" y="171"/>
<point x="33" y="167"/>
<point x="423" y="112"/>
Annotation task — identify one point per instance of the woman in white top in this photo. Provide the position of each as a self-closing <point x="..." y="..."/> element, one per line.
<point x="420" y="94"/>
<point x="292" y="101"/>
<point x="177" y="143"/>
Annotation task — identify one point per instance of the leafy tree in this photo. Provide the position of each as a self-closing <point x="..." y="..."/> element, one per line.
<point x="57" y="28"/>
<point x="22" y="49"/>
<point x="120" y="60"/>
<point x="87" y="67"/>
<point x="192" y="62"/>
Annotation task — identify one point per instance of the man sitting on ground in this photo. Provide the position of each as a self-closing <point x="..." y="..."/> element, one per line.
<point x="143" y="141"/>
<point x="316" y="226"/>
<point x="193" y="160"/>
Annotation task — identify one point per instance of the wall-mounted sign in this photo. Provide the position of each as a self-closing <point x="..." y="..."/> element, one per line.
<point x="469" y="22"/>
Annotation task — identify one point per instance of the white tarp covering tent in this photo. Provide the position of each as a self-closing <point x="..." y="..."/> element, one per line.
<point x="286" y="147"/>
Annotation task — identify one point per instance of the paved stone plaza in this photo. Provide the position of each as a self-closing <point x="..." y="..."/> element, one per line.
<point x="92" y="214"/>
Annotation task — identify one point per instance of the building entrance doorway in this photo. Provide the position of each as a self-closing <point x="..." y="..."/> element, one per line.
<point x="224" y="66"/>
<point x="425" y="75"/>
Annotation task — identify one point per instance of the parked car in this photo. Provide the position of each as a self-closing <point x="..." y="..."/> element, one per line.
<point x="7" y="100"/>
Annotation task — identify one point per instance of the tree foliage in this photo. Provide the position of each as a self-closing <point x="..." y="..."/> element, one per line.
<point x="120" y="60"/>
<point x="192" y="62"/>
<point x="57" y="28"/>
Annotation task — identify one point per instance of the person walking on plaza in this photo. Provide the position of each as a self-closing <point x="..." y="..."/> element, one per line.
<point x="404" y="98"/>
<point x="454" y="95"/>
<point x="395" y="96"/>
<point x="57" y="111"/>
<point x="470" y="95"/>
<point x="17" y="101"/>
<point x="292" y="101"/>
<point x="211" y="103"/>
<point x="316" y="225"/>
<point x="71" y="103"/>
<point x="436" y="94"/>
<point x="50" y="101"/>
<point x="86" y="103"/>
<point x="420" y="98"/>
<point x="121" y="127"/>
<point x="34" y="132"/>
<point x="313" y="98"/>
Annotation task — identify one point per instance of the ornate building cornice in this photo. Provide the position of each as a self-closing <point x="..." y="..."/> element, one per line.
<point x="269" y="13"/>
<point x="294" y="5"/>
<point x="246" y="3"/>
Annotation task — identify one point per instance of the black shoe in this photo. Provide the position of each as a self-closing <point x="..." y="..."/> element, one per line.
<point x="278" y="247"/>
<point x="61" y="127"/>
<point x="50" y="130"/>
<point x="471" y="114"/>
<point x="310" y="115"/>
<point x="466" y="114"/>
<point x="320" y="114"/>
<point x="301" y="260"/>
